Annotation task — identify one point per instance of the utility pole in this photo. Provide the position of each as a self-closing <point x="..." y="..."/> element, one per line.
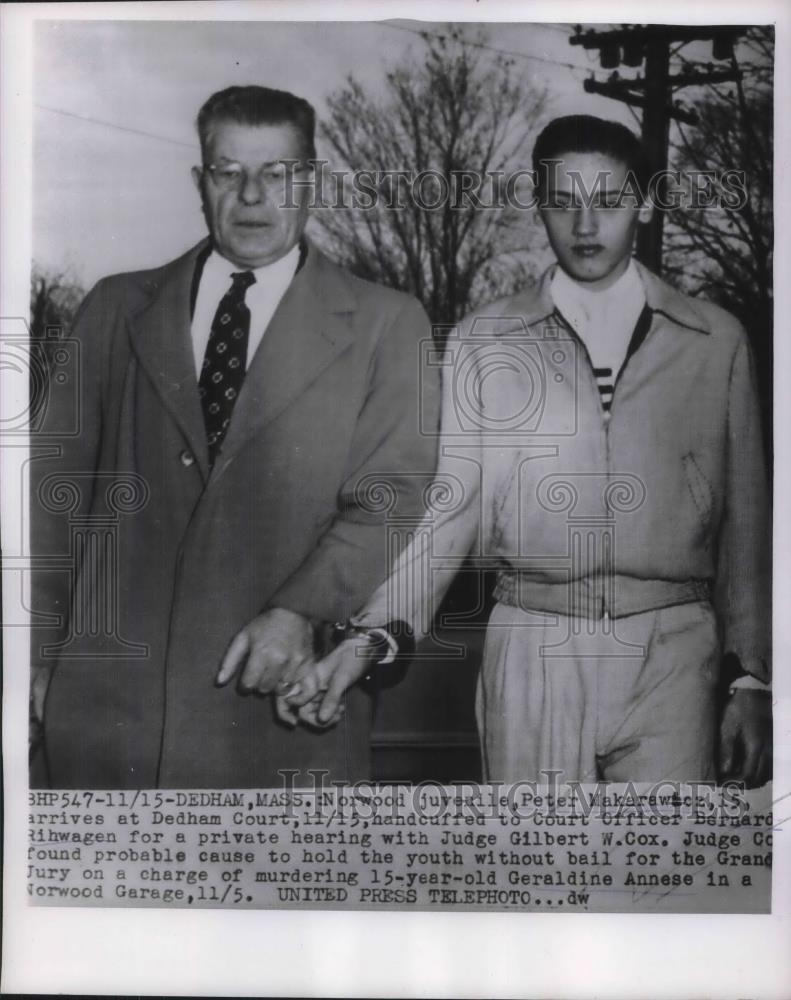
<point x="634" y="45"/>
<point x="656" y="139"/>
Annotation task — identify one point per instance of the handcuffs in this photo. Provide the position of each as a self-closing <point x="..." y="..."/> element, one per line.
<point x="393" y="643"/>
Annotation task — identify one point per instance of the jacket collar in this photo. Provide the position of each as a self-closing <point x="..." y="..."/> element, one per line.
<point x="308" y="331"/>
<point x="537" y="304"/>
<point x="662" y="298"/>
<point x="304" y="335"/>
<point x="161" y="339"/>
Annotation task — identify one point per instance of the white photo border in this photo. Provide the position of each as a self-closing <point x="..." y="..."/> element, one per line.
<point x="97" y="951"/>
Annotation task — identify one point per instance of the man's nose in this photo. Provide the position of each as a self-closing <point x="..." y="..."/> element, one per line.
<point x="252" y="190"/>
<point x="585" y="221"/>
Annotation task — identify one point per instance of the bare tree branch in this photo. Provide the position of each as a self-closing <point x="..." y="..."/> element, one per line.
<point x="725" y="252"/>
<point x="457" y="114"/>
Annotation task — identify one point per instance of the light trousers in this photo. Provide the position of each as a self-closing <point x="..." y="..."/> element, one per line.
<point x="627" y="699"/>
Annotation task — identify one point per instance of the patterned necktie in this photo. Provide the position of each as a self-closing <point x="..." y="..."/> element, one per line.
<point x="225" y="361"/>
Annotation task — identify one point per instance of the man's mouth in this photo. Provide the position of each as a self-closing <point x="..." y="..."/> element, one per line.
<point x="251" y="223"/>
<point x="587" y="249"/>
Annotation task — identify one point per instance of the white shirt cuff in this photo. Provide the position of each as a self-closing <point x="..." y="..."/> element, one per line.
<point x="748" y="683"/>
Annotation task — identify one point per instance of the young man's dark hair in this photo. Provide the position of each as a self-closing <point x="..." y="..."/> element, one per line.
<point x="256" y="105"/>
<point x="588" y="134"/>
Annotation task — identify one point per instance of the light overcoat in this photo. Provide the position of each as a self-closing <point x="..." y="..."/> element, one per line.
<point x="167" y="560"/>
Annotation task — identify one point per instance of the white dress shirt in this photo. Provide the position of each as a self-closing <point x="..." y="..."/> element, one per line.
<point x="262" y="298"/>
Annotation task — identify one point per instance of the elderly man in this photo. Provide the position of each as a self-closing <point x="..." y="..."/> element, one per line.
<point x="244" y="396"/>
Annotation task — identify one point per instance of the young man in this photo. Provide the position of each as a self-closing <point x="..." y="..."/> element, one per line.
<point x="601" y="434"/>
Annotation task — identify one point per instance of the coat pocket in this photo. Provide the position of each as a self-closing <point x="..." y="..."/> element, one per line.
<point x="699" y="487"/>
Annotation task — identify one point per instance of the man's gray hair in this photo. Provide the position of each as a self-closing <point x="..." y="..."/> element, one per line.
<point x="254" y="105"/>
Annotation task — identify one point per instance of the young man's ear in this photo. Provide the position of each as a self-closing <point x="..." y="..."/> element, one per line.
<point x="645" y="211"/>
<point x="197" y="177"/>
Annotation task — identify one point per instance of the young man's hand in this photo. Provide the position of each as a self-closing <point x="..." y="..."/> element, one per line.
<point x="746" y="738"/>
<point x="315" y="696"/>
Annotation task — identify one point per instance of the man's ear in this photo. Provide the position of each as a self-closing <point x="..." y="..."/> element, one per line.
<point x="645" y="211"/>
<point x="197" y="178"/>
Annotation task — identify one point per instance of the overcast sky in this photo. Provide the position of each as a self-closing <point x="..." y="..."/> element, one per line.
<point x="108" y="198"/>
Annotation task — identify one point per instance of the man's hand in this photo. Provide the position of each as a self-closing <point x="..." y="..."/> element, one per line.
<point x="270" y="649"/>
<point x="746" y="738"/>
<point x="38" y="692"/>
<point x="318" y="688"/>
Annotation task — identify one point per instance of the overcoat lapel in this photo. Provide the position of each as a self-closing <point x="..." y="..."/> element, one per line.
<point x="308" y="331"/>
<point x="162" y="341"/>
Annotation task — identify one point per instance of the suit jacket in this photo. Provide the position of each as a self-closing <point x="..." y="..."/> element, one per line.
<point x="165" y="561"/>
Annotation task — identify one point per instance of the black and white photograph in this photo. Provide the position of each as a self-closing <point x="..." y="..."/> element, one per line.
<point x="393" y="466"/>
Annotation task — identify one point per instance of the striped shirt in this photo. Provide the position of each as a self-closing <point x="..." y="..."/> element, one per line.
<point x="603" y="320"/>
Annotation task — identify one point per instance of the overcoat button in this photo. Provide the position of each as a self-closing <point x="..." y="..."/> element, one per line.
<point x="187" y="459"/>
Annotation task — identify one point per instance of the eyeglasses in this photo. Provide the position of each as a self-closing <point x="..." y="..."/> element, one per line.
<point x="271" y="176"/>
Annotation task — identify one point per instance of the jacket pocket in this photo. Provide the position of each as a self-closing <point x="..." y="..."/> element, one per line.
<point x="699" y="487"/>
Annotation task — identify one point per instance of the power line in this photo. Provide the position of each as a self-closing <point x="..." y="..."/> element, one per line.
<point x="560" y="29"/>
<point x="414" y="31"/>
<point x="119" y="128"/>
<point x="744" y="70"/>
<point x="488" y="48"/>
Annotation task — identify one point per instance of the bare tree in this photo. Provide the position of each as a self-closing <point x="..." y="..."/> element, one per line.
<point x="725" y="253"/>
<point x="54" y="299"/>
<point x="435" y="154"/>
